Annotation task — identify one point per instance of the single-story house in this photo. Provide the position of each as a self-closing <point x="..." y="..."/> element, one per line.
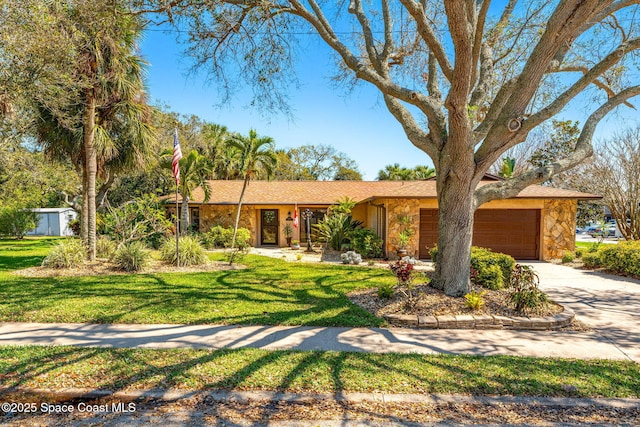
<point x="537" y="224"/>
<point x="53" y="222"/>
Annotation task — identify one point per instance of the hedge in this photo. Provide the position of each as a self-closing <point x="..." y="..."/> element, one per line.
<point x="493" y="269"/>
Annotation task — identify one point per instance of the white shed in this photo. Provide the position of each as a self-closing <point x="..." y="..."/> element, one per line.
<point x="53" y="222"/>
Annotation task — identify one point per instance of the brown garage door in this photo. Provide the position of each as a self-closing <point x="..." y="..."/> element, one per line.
<point x="511" y="231"/>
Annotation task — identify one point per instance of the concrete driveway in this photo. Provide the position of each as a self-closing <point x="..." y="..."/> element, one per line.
<point x="610" y="304"/>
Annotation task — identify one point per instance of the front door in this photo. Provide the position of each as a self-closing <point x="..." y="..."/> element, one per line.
<point x="269" y="227"/>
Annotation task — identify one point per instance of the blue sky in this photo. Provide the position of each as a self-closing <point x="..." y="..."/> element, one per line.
<point x="357" y="123"/>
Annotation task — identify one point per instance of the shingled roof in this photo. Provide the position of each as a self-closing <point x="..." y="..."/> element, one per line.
<point x="327" y="192"/>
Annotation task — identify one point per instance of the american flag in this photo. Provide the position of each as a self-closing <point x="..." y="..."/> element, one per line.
<point x="177" y="155"/>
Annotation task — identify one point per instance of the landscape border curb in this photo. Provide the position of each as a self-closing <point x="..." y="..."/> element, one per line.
<point x="248" y="396"/>
<point x="474" y="321"/>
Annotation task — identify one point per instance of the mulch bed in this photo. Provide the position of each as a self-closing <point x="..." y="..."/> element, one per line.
<point x="429" y="301"/>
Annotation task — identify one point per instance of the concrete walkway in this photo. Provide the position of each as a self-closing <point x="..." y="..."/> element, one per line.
<point x="610" y="304"/>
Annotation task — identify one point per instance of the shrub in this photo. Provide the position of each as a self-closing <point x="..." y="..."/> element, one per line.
<point x="490" y="277"/>
<point x="474" y="300"/>
<point x="402" y="270"/>
<point x="219" y="237"/>
<point x="482" y="259"/>
<point x="623" y="258"/>
<point x="591" y="260"/>
<point x="191" y="251"/>
<point x="16" y="221"/>
<point x="105" y="247"/>
<point x="132" y="256"/>
<point x="351" y="257"/>
<point x="483" y="262"/>
<point x="298" y="257"/>
<point x="525" y="295"/>
<point x="336" y="230"/>
<point x="579" y="252"/>
<point x="568" y="257"/>
<point x="366" y="242"/>
<point x="138" y="220"/>
<point x="67" y="254"/>
<point x="593" y="248"/>
<point x="385" y="290"/>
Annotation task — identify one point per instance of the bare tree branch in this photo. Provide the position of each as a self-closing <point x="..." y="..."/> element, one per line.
<point x="583" y="150"/>
<point x="355" y="7"/>
<point x="416" y="10"/>
<point x="412" y="129"/>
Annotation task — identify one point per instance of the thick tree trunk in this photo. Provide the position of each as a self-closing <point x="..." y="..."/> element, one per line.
<point x="455" y="230"/>
<point x="92" y="170"/>
<point x="184" y="215"/>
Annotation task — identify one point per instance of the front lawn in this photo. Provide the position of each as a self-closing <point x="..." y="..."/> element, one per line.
<point x="270" y="291"/>
<point x="328" y="372"/>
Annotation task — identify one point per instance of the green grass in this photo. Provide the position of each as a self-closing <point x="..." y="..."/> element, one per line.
<point x="250" y="369"/>
<point x="587" y="245"/>
<point x="270" y="291"/>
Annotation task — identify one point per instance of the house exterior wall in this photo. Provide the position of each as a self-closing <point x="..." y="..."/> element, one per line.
<point x="398" y="208"/>
<point x="557" y="234"/>
<point x="225" y="216"/>
<point x="557" y="222"/>
<point x="558" y="227"/>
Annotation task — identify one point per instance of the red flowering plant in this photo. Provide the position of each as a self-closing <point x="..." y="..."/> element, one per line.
<point x="402" y="270"/>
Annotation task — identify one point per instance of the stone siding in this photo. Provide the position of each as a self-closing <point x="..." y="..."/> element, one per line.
<point x="558" y="228"/>
<point x="225" y="216"/>
<point x="397" y="208"/>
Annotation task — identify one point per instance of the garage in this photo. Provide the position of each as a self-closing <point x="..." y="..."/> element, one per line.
<point x="511" y="231"/>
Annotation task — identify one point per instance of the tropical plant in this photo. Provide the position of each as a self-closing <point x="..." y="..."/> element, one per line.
<point x="474" y="300"/>
<point x="132" y="256"/>
<point x="104" y="123"/>
<point x="142" y="219"/>
<point x="191" y="251"/>
<point x="67" y="254"/>
<point x="336" y="230"/>
<point x="406" y="231"/>
<point x="105" y="247"/>
<point x="525" y="294"/>
<point x="194" y="170"/>
<point x="254" y="153"/>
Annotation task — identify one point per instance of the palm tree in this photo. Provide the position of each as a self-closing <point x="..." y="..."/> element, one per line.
<point x="423" y="172"/>
<point x="507" y="168"/>
<point x="194" y="170"/>
<point x="255" y="154"/>
<point x="106" y="118"/>
<point x="215" y="147"/>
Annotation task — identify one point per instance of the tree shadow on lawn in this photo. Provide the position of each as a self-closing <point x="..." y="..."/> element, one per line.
<point x="222" y="297"/>
<point x="293" y="371"/>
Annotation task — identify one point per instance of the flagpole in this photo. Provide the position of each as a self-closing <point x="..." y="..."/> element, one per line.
<point x="177" y="231"/>
<point x="175" y="166"/>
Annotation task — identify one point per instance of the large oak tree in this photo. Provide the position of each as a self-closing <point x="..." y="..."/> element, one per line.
<point x="466" y="79"/>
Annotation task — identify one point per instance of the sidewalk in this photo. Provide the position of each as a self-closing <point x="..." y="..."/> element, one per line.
<point x="609" y="304"/>
<point x="377" y="340"/>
